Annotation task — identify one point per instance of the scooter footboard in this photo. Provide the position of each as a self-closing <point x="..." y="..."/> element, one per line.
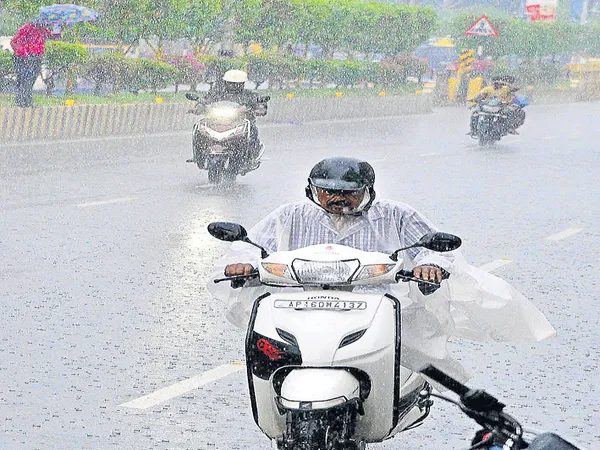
<point x="318" y="388"/>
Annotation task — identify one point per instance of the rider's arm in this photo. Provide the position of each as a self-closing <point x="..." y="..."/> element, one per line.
<point x="484" y="93"/>
<point x="413" y="226"/>
<point x="265" y="234"/>
<point x="428" y="265"/>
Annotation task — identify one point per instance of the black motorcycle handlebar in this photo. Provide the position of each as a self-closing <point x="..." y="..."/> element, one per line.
<point x="249" y="276"/>
<point x="445" y="380"/>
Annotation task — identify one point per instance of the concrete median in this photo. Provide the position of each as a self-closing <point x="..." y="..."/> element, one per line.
<point x="84" y="121"/>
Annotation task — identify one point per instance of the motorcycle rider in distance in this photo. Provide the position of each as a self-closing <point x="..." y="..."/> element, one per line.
<point x="232" y="89"/>
<point x="503" y="88"/>
<point x="342" y="209"/>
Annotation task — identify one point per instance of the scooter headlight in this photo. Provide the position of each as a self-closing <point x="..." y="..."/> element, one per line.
<point x="373" y="271"/>
<point x="323" y="272"/>
<point x="222" y="113"/>
<point x="491" y="108"/>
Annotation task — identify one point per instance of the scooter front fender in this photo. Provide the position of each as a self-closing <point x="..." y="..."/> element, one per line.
<point x="318" y="388"/>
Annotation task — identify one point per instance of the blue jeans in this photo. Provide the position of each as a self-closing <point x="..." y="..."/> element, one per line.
<point x="27" y="69"/>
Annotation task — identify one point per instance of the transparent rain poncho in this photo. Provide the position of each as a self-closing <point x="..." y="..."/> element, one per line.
<point x="471" y="304"/>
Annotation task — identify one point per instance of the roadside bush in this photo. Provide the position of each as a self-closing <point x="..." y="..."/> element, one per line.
<point x="63" y="61"/>
<point x="7" y="70"/>
<point x="312" y="70"/>
<point x="143" y="74"/>
<point x="264" y="66"/>
<point x="346" y="73"/>
<point x="396" y="69"/>
<point x="105" y="70"/>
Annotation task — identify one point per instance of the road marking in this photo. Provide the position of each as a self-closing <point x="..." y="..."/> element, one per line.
<point x="182" y="387"/>
<point x="564" y="234"/>
<point x="106" y="202"/>
<point x="496" y="264"/>
<point x="429" y="154"/>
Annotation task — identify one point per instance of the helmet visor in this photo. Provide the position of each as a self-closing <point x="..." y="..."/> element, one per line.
<point x="336" y="184"/>
<point x="341" y="201"/>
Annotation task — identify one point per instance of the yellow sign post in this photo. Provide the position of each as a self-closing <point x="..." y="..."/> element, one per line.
<point x="463" y="73"/>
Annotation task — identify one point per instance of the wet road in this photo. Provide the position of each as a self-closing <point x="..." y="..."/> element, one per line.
<point x="105" y="256"/>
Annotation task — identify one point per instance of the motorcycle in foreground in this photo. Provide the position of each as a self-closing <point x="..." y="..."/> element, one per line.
<point x="500" y="431"/>
<point x="222" y="139"/>
<point x="492" y="118"/>
<point x="323" y="363"/>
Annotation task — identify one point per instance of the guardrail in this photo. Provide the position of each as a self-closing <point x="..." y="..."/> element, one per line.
<point x="82" y="121"/>
<point x="64" y="122"/>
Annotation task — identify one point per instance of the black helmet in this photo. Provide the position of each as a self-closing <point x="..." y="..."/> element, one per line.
<point x="343" y="174"/>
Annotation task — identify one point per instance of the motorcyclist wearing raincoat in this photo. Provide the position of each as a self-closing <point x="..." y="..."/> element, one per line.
<point x="342" y="209"/>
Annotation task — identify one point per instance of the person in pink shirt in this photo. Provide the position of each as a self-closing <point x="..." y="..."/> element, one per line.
<point x="29" y="44"/>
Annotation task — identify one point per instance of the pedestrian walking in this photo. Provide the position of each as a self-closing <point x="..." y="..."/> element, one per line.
<point x="29" y="44"/>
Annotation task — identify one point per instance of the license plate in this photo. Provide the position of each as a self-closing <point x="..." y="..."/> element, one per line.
<point x="334" y="305"/>
<point x="216" y="150"/>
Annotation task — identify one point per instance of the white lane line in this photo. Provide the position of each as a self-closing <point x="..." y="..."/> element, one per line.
<point x="564" y="234"/>
<point x="180" y="388"/>
<point x="106" y="202"/>
<point x="429" y="154"/>
<point x="497" y="263"/>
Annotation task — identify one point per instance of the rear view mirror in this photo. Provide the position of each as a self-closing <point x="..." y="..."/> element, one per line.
<point x="440" y="242"/>
<point x="230" y="232"/>
<point x="227" y="231"/>
<point x="192" y="97"/>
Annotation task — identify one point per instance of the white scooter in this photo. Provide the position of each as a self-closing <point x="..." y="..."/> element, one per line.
<point x="324" y="363"/>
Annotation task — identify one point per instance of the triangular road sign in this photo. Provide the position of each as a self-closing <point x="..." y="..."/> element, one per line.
<point x="482" y="27"/>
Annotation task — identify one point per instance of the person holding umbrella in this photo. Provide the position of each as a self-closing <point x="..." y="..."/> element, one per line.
<point x="29" y="44"/>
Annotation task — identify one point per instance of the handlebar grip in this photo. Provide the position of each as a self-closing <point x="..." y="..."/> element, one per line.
<point x="445" y="380"/>
<point x="253" y="274"/>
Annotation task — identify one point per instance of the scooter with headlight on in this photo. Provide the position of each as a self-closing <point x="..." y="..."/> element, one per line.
<point x="222" y="139"/>
<point x="323" y="363"/>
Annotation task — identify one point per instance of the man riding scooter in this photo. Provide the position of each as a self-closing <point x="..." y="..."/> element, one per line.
<point x="232" y="89"/>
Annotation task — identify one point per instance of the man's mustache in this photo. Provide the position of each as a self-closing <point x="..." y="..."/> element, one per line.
<point x="341" y="203"/>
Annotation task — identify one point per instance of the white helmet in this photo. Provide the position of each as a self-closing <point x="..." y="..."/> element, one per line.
<point x="235" y="76"/>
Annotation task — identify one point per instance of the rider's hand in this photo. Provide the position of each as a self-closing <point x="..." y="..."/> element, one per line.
<point x="428" y="273"/>
<point x="238" y="269"/>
